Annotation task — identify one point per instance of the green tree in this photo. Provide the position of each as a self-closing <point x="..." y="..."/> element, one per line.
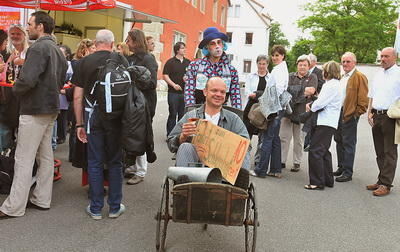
<point x="276" y="36"/>
<point x="300" y="47"/>
<point x="359" y="26"/>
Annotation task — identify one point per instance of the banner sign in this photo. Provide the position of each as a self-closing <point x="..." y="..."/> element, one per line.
<point x="9" y="16"/>
<point x="220" y="148"/>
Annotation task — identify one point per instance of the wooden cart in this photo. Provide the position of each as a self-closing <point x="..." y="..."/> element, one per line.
<point x="208" y="203"/>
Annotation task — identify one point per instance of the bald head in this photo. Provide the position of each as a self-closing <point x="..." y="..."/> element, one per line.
<point x="388" y="57"/>
<point x="215" y="92"/>
<point x="215" y="80"/>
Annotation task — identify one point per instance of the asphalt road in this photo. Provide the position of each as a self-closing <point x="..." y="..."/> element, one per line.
<point x="344" y="218"/>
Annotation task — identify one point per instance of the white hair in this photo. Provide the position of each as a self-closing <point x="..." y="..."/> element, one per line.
<point x="312" y="58"/>
<point x="303" y="58"/>
<point x="104" y="37"/>
<point x="350" y="54"/>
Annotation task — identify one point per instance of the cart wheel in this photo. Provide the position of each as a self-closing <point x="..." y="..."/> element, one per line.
<point x="251" y="220"/>
<point x="163" y="217"/>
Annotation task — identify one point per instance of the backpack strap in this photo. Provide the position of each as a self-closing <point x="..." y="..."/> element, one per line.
<point x="90" y="109"/>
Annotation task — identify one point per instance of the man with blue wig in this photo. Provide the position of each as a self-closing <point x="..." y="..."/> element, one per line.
<point x="215" y="63"/>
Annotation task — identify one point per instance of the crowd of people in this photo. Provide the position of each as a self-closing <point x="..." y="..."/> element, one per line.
<point x="55" y="91"/>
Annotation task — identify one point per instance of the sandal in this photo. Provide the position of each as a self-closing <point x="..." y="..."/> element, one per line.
<point x="313" y="187"/>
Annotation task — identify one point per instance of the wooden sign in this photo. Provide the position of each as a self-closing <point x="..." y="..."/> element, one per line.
<point x="220" y="148"/>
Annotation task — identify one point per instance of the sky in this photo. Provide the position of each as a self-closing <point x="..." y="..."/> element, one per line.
<point x="286" y="12"/>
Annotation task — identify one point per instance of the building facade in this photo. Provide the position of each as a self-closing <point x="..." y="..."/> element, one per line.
<point x="191" y="17"/>
<point x="248" y="32"/>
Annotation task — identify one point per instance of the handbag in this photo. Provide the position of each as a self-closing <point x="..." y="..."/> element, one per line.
<point x="257" y="118"/>
<point x="394" y="110"/>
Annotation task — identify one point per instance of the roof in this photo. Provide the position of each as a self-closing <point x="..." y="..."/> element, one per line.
<point x="258" y="8"/>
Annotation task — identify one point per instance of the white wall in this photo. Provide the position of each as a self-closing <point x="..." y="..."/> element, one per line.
<point x="248" y="21"/>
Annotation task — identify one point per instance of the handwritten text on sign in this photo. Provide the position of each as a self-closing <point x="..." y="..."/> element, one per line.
<point x="220" y="148"/>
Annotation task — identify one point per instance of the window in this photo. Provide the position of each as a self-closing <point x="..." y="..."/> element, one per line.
<point x="246" y="66"/>
<point x="231" y="11"/>
<point x="194" y="3"/>
<point x="249" y="38"/>
<point x="237" y="10"/>
<point x="203" y="6"/>
<point x="223" y="16"/>
<point x="215" y="10"/>
<point x="229" y="35"/>
<point x="177" y="37"/>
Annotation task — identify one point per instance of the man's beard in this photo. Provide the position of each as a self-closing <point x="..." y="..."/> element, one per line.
<point x="33" y="36"/>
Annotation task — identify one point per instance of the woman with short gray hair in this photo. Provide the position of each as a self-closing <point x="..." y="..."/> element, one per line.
<point x="302" y="86"/>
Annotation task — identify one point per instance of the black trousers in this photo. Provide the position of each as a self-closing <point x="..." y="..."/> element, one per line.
<point x="320" y="158"/>
<point x="62" y="125"/>
<point x="346" y="140"/>
<point x="386" y="151"/>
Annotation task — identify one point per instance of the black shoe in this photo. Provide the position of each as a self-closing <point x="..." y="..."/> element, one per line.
<point x="31" y="205"/>
<point x="283" y="165"/>
<point x="343" y="178"/>
<point x="338" y="172"/>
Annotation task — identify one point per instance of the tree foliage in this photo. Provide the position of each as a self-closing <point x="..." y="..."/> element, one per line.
<point x="276" y="36"/>
<point x="300" y="47"/>
<point x="359" y="26"/>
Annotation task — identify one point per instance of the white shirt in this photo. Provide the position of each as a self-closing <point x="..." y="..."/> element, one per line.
<point x="329" y="99"/>
<point x="214" y="119"/>
<point x="343" y="83"/>
<point x="312" y="69"/>
<point x="279" y="77"/>
<point x="385" y="88"/>
<point x="252" y="83"/>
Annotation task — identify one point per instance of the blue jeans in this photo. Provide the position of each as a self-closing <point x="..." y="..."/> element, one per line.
<point x="270" y="149"/>
<point x="54" y="136"/>
<point x="346" y="140"/>
<point x="176" y="105"/>
<point x="104" y="149"/>
<point x="5" y="137"/>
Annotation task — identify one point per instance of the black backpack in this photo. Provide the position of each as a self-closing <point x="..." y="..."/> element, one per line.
<point x="7" y="161"/>
<point x="111" y="89"/>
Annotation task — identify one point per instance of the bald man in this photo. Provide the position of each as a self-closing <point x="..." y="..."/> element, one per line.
<point x="384" y="91"/>
<point x="179" y="138"/>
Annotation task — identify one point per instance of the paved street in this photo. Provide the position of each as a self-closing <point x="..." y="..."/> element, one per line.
<point x="344" y="218"/>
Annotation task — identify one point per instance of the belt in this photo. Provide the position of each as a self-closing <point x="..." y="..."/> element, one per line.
<point x="379" y="111"/>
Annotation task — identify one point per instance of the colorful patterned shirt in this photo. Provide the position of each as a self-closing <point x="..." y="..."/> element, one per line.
<point x="199" y="71"/>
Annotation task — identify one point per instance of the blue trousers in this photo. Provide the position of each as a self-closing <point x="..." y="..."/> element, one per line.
<point x="104" y="149"/>
<point x="270" y="149"/>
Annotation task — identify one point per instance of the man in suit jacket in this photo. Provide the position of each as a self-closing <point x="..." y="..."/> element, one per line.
<point x="315" y="70"/>
<point x="354" y="86"/>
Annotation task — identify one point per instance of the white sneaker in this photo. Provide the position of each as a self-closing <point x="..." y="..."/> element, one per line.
<point x="252" y="173"/>
<point x="93" y="215"/>
<point x="121" y="210"/>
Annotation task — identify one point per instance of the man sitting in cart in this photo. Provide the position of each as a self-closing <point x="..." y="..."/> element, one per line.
<point x="181" y="135"/>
